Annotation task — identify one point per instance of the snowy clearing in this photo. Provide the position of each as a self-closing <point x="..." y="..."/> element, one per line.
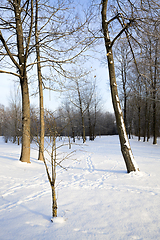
<point x="97" y="199"/>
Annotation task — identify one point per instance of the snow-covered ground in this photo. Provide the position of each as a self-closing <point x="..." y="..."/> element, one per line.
<point x="97" y="199"/>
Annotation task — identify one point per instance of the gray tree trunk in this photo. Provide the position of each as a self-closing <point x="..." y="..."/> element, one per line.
<point x="125" y="145"/>
<point x="154" y="96"/>
<point x="25" y="150"/>
<point x="41" y="140"/>
<point x="22" y="56"/>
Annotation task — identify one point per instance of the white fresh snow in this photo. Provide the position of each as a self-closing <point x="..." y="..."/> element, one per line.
<point x="97" y="199"/>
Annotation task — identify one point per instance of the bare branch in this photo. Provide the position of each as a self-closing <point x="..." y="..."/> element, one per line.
<point x="12" y="73"/>
<point x="8" y="51"/>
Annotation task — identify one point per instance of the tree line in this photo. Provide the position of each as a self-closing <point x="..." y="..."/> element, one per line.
<point x="66" y="121"/>
<point x="139" y="90"/>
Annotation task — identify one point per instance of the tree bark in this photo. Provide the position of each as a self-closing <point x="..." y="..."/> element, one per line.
<point x="124" y="80"/>
<point x="90" y="126"/>
<point x="54" y="202"/>
<point x="145" y="119"/>
<point x="54" y="164"/>
<point x="125" y="145"/>
<point x="41" y="140"/>
<point x="25" y="150"/>
<point x="22" y="56"/>
<point x="154" y="97"/>
<point x="82" y="115"/>
<point x="18" y="52"/>
<point x="139" y="123"/>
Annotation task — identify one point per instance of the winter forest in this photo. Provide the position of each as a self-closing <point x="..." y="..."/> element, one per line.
<point x="59" y="46"/>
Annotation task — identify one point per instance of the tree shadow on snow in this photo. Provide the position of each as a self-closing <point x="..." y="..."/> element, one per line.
<point x="100" y="170"/>
<point x="15" y="157"/>
<point x="46" y="217"/>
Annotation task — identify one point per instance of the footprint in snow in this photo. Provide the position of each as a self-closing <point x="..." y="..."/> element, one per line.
<point x="90" y="164"/>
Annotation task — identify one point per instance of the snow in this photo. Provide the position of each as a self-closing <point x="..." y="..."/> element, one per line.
<point x="97" y="199"/>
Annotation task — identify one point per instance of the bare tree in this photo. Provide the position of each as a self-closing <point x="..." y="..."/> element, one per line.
<point x="12" y="118"/>
<point x="79" y="86"/>
<point x="2" y="111"/>
<point x="125" y="145"/>
<point x="58" y="44"/>
<point x="144" y="85"/>
<point x="55" y="160"/>
<point x="40" y="83"/>
<point x="16" y="115"/>
<point x="93" y="108"/>
<point x="55" y="24"/>
<point x="16" y="26"/>
<point x="123" y="67"/>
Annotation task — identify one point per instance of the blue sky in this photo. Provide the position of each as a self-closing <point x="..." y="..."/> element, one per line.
<point x="52" y="99"/>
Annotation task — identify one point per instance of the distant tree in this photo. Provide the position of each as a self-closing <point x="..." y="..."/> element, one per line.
<point x="2" y="111"/>
<point x="12" y="124"/>
<point x="78" y="86"/>
<point x="144" y="85"/>
<point x="106" y="124"/>
<point x="124" y="61"/>
<point x="92" y="112"/>
<point x="16" y="115"/>
<point x="35" y="126"/>
<point x="70" y="114"/>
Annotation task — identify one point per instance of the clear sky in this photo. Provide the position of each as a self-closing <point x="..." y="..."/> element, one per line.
<point x="52" y="99"/>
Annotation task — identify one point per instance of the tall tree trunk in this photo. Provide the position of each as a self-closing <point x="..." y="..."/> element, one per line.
<point x="145" y="121"/>
<point x="154" y="120"/>
<point x="124" y="80"/>
<point x="95" y="120"/>
<point x="71" y="123"/>
<point x="125" y="145"/>
<point x="129" y="122"/>
<point x="21" y="65"/>
<point x="90" y="126"/>
<point x="41" y="140"/>
<point x="154" y="97"/>
<point x="146" y="115"/>
<point x="72" y="129"/>
<point x="82" y="115"/>
<point x="22" y="57"/>
<point x="148" y="123"/>
<point x="139" y="123"/>
<point x="25" y="151"/>
<point x="125" y="108"/>
<point x="83" y="127"/>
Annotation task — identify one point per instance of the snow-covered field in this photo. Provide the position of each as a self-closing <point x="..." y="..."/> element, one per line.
<point x="97" y="199"/>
